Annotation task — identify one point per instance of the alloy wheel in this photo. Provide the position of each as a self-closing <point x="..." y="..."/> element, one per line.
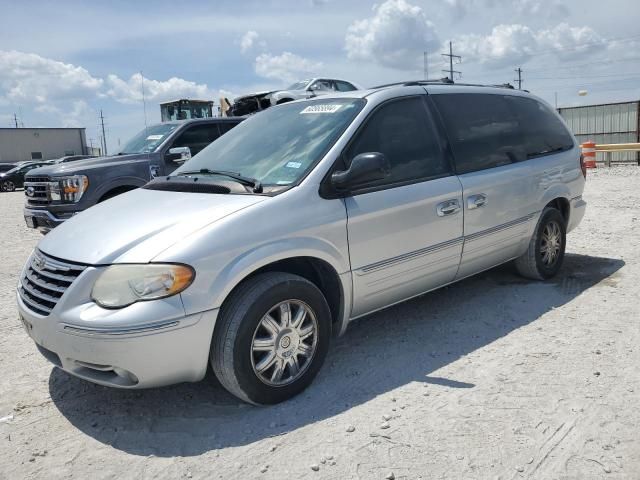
<point x="551" y="243"/>
<point x="284" y="343"/>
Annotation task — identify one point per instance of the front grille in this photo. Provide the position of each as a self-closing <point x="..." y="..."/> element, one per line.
<point x="45" y="280"/>
<point x="36" y="190"/>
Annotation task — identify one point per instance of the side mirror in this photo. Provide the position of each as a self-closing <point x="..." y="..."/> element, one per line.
<point x="365" y="168"/>
<point x="179" y="154"/>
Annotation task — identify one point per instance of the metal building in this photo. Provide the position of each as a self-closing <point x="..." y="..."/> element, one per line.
<point x="607" y="123"/>
<point x="19" y="144"/>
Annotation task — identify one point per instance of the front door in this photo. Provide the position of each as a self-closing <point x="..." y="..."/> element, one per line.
<point x="405" y="232"/>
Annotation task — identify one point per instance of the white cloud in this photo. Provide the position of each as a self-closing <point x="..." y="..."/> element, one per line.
<point x="130" y="91"/>
<point x="511" y="44"/>
<point x="30" y="78"/>
<point x="248" y="40"/>
<point x="395" y="36"/>
<point x="286" y="67"/>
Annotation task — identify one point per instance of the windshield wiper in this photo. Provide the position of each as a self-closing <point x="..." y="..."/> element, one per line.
<point x="251" y="182"/>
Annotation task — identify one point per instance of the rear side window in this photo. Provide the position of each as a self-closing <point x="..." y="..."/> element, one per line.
<point x="226" y="126"/>
<point x="483" y="130"/>
<point x="197" y="137"/>
<point x="344" y="86"/>
<point x="404" y="132"/>
<point x="542" y="130"/>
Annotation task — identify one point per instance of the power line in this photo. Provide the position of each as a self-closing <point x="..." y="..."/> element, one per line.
<point x="451" y="56"/>
<point x="519" y="80"/>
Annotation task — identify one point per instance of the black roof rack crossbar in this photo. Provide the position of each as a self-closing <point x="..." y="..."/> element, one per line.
<point x="443" y="81"/>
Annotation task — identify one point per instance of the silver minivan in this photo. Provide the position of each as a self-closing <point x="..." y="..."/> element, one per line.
<point x="303" y="218"/>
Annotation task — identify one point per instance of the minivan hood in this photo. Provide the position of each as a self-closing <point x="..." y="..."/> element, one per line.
<point x="81" y="166"/>
<point x="137" y="226"/>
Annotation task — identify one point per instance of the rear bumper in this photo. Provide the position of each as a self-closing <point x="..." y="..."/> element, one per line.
<point x="148" y="355"/>
<point x="578" y="208"/>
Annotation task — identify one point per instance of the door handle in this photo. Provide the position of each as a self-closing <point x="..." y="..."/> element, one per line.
<point x="448" y="207"/>
<point x="476" y="201"/>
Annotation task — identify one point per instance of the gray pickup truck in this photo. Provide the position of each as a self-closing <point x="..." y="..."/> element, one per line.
<point x="55" y="193"/>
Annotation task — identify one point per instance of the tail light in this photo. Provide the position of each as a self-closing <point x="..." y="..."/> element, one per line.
<point x="583" y="167"/>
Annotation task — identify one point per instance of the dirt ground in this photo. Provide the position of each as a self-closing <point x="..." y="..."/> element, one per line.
<point x="495" y="377"/>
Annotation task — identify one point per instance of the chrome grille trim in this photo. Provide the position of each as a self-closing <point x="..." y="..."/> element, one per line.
<point x="44" y="281"/>
<point x="41" y="190"/>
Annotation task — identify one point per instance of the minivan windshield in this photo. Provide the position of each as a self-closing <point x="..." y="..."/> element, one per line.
<point x="280" y="145"/>
<point x="148" y="139"/>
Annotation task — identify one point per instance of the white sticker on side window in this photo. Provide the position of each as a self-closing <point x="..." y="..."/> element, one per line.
<point x="293" y="165"/>
<point x="154" y="137"/>
<point x="323" y="108"/>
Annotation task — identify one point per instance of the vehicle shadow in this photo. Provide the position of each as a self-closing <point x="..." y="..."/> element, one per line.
<point x="389" y="349"/>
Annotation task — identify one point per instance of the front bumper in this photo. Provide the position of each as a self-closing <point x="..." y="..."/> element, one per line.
<point x="43" y="219"/>
<point x="148" y="354"/>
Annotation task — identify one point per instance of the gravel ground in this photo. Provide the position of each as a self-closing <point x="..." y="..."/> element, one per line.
<point x="495" y="377"/>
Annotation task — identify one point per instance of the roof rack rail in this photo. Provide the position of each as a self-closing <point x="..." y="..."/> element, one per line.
<point x="443" y="81"/>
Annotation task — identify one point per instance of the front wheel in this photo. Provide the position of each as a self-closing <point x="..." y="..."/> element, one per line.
<point x="271" y="338"/>
<point x="543" y="258"/>
<point x="8" y="186"/>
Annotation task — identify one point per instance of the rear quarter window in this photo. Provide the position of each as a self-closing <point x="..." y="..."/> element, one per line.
<point x="542" y="130"/>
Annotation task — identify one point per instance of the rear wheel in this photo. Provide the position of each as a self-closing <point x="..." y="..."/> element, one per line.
<point x="545" y="254"/>
<point x="8" y="186"/>
<point x="271" y="338"/>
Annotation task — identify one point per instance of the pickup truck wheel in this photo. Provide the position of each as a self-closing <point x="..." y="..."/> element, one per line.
<point x="543" y="258"/>
<point x="8" y="186"/>
<point x="271" y="338"/>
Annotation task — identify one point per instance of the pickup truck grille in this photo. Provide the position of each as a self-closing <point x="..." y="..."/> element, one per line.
<point x="36" y="189"/>
<point x="45" y="280"/>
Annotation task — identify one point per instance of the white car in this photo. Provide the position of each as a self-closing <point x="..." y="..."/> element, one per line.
<point x="309" y="88"/>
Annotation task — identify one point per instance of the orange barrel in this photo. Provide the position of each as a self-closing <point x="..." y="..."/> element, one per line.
<point x="589" y="154"/>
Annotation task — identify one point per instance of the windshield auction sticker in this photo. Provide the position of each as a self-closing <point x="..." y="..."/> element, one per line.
<point x="323" y="108"/>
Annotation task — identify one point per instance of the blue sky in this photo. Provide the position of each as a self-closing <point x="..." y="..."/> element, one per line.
<point x="61" y="62"/>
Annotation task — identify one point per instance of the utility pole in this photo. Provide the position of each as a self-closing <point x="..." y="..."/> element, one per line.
<point x="519" y="79"/>
<point x="104" y="138"/>
<point x="15" y="119"/>
<point x="451" y="56"/>
<point x="144" y="103"/>
<point x="426" y="66"/>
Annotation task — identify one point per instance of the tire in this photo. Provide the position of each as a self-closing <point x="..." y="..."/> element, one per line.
<point x="8" y="186"/>
<point x="534" y="263"/>
<point x="243" y="331"/>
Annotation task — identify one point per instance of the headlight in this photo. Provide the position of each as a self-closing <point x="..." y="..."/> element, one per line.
<point x="69" y="189"/>
<point x="121" y="285"/>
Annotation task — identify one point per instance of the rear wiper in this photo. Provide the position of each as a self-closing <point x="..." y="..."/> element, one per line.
<point x="251" y="182"/>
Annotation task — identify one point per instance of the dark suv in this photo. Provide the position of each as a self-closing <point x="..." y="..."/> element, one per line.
<point x="57" y="192"/>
